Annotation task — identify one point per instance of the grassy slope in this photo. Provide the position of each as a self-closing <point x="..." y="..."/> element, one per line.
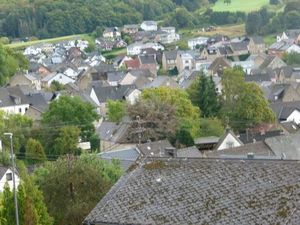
<point x="240" y="5"/>
<point x="21" y="45"/>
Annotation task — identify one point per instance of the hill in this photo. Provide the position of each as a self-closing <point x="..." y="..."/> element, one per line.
<point x="239" y="5"/>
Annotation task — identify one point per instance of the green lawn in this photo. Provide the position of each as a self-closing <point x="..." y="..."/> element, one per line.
<point x="21" y="45"/>
<point x="114" y="53"/>
<point x="240" y="5"/>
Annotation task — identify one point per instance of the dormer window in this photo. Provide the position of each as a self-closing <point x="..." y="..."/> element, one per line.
<point x="9" y="177"/>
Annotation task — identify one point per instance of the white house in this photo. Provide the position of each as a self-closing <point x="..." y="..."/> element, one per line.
<point x="111" y="32"/>
<point x="59" y="77"/>
<point x="136" y="48"/>
<point x="31" y="50"/>
<point x="193" y="43"/>
<point x="294" y="117"/>
<point x="229" y="140"/>
<point x="149" y="26"/>
<point x="6" y="177"/>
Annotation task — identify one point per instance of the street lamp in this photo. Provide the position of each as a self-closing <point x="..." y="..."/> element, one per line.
<point x="10" y="135"/>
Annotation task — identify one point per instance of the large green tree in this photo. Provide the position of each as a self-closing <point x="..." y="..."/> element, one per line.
<point x="186" y="114"/>
<point x="73" y="186"/>
<point x="34" y="152"/>
<point x="10" y="63"/>
<point x="203" y="94"/>
<point x="116" y="110"/>
<point x="71" y="111"/>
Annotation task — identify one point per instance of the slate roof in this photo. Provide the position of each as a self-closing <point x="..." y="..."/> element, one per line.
<point x="258" y="40"/>
<point x="162" y="81"/>
<point x="265" y="77"/>
<point x="203" y="191"/>
<point x="258" y="149"/>
<point x="113" y="132"/>
<point x="219" y="62"/>
<point x="284" y="109"/>
<point x="293" y="33"/>
<point x="3" y="170"/>
<point x="290" y="127"/>
<point x="8" y="94"/>
<point x="147" y="59"/>
<point x="251" y="137"/>
<point x="115" y="76"/>
<point x="105" y="93"/>
<point x="287" y="146"/>
<point x="171" y="55"/>
<point x="154" y="148"/>
<point x="239" y="46"/>
<point x="189" y="152"/>
<point x="126" y="157"/>
<point x="38" y="101"/>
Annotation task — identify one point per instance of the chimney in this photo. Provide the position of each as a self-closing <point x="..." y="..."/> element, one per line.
<point x="171" y="151"/>
<point x="250" y="155"/>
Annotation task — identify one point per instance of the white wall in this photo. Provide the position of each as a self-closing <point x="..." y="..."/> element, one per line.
<point x="294" y="117"/>
<point x="3" y="181"/>
<point x="226" y="142"/>
<point x="17" y="109"/>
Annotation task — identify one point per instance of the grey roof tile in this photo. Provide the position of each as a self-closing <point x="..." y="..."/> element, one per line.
<point x="203" y="191"/>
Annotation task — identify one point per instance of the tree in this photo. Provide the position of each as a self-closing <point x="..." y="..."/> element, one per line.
<point x="56" y="86"/>
<point x="186" y="114"/>
<point x="253" y="23"/>
<point x="116" y="110"/>
<point x="211" y="127"/>
<point x="274" y="2"/>
<point x="292" y="58"/>
<point x="203" y="94"/>
<point x="32" y="209"/>
<point x="76" y="185"/>
<point x="158" y="119"/>
<point x="71" y="111"/>
<point x="251" y="108"/>
<point x="184" y="137"/>
<point x="67" y="141"/>
<point x="34" y="152"/>
<point x="227" y="2"/>
<point x="10" y="63"/>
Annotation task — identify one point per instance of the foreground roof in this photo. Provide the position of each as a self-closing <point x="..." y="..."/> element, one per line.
<point x="203" y="191"/>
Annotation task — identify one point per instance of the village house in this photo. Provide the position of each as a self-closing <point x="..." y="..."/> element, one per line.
<point x="169" y="60"/>
<point x="137" y="48"/>
<point x="111" y="32"/>
<point x="218" y="66"/>
<point x="283" y="47"/>
<point x="148" y="62"/>
<point x="197" y="42"/>
<point x="31" y="80"/>
<point x="6" y="178"/>
<point x="256" y="45"/>
<point x="131" y="28"/>
<point x="290" y="36"/>
<point x="59" y="77"/>
<point x="149" y="26"/>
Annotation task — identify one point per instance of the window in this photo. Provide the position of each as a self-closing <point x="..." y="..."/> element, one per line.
<point x="229" y="144"/>
<point x="9" y="176"/>
<point x="20" y="110"/>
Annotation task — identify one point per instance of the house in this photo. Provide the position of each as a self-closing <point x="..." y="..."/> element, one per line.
<point x="111" y="32"/>
<point x="287" y="111"/>
<point x="149" y="26"/>
<point x="218" y="39"/>
<point x="197" y="42"/>
<point x="6" y="177"/>
<point x="282" y="93"/>
<point x="59" y="77"/>
<point x="290" y="36"/>
<point x="31" y="80"/>
<point x="283" y="47"/>
<point x="163" y="81"/>
<point x="239" y="48"/>
<point x="256" y="45"/>
<point x="247" y="66"/>
<point x="139" y="78"/>
<point x="119" y="61"/>
<point x="132" y="64"/>
<point x="203" y="191"/>
<point x="169" y="60"/>
<point x="218" y="66"/>
<point x="137" y="47"/>
<point x="148" y="62"/>
<point x="113" y="137"/>
<point x="185" y="60"/>
<point x="229" y="140"/>
<point x="289" y="127"/>
<point x="131" y="29"/>
<point x="13" y="100"/>
<point x="101" y="94"/>
<point x="115" y="77"/>
<point x="168" y="35"/>
<point x="272" y="62"/>
<point x="251" y="136"/>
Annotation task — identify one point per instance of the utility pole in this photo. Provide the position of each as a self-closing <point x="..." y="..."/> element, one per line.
<point x="10" y="135"/>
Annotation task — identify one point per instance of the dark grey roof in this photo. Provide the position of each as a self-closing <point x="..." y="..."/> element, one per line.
<point x="156" y="148"/>
<point x="189" y="152"/>
<point x="171" y="55"/>
<point x="258" y="40"/>
<point x="3" y="170"/>
<point x="126" y="157"/>
<point x="239" y="46"/>
<point x="186" y="83"/>
<point x="162" y="81"/>
<point x="141" y="72"/>
<point x="147" y="59"/>
<point x="105" y="93"/>
<point x="115" y="76"/>
<point x="284" y="109"/>
<point x="290" y="127"/>
<point x="203" y="191"/>
<point x="38" y="101"/>
<point x="251" y="137"/>
<point x="225" y="50"/>
<point x="258" y="149"/>
<point x="265" y="77"/>
<point x="294" y="33"/>
<point x="8" y="95"/>
<point x="287" y="146"/>
<point x="267" y="62"/>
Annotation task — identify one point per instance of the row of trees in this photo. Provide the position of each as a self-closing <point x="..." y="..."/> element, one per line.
<point x="263" y="22"/>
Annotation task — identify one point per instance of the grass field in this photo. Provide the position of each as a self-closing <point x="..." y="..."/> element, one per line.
<point x="240" y="5"/>
<point x="230" y="30"/>
<point x="21" y="45"/>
